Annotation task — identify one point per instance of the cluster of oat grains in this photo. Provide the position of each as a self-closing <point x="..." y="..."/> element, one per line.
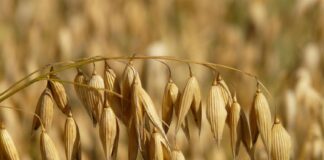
<point x="111" y="101"/>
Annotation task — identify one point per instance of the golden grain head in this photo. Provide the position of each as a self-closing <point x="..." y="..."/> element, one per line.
<point x="216" y="112"/>
<point x="281" y="142"/>
<point x="170" y="100"/>
<point x="72" y="139"/>
<point x="191" y="98"/>
<point x="81" y="91"/>
<point x="108" y="131"/>
<point x="8" y="150"/>
<point x="126" y="87"/>
<point x="147" y="104"/>
<point x="112" y="84"/>
<point x="95" y="94"/>
<point x="59" y="94"/>
<point x="47" y="147"/>
<point x="44" y="110"/>
<point x="235" y="126"/>
<point x="225" y="92"/>
<point x="260" y="119"/>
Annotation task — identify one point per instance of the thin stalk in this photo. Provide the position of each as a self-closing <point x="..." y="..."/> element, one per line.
<point x="24" y="111"/>
<point x="81" y="62"/>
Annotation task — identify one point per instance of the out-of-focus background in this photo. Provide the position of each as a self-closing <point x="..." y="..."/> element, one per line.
<point x="280" y="41"/>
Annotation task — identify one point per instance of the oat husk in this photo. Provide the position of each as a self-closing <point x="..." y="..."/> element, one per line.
<point x="44" y="110"/>
<point x="8" y="149"/>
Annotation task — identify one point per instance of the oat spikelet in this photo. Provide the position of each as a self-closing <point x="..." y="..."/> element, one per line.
<point x="81" y="92"/>
<point x="260" y="119"/>
<point x="111" y="84"/>
<point x="177" y="155"/>
<point x="8" y="150"/>
<point x="225" y="92"/>
<point x="47" y="147"/>
<point x="108" y="131"/>
<point x="72" y="139"/>
<point x="141" y="99"/>
<point x="170" y="100"/>
<point x="281" y="142"/>
<point x="44" y="110"/>
<point x="216" y="112"/>
<point x="59" y="93"/>
<point x="235" y="126"/>
<point x="190" y="97"/>
<point x="96" y="96"/>
<point x="126" y="87"/>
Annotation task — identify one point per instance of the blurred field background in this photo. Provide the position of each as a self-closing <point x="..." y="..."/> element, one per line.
<point x="280" y="41"/>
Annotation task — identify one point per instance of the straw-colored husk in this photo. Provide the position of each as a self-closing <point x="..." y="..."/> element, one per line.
<point x="111" y="84"/>
<point x="59" y="94"/>
<point x="126" y="89"/>
<point x="191" y="98"/>
<point x="96" y="96"/>
<point x="142" y="102"/>
<point x="216" y="112"/>
<point x="235" y="126"/>
<point x="81" y="91"/>
<point x="47" y="147"/>
<point x="108" y="131"/>
<point x="8" y="150"/>
<point x="133" y="144"/>
<point x="44" y="110"/>
<point x="260" y="120"/>
<point x="281" y="142"/>
<point x="72" y="139"/>
<point x="158" y="149"/>
<point x="170" y="100"/>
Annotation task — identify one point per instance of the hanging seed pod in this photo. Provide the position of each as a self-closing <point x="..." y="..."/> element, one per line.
<point x="177" y="155"/>
<point x="111" y="84"/>
<point x="72" y="139"/>
<point x="126" y="87"/>
<point x="96" y="96"/>
<point x="108" y="131"/>
<point x="44" y="110"/>
<point x="281" y="142"/>
<point x="59" y="93"/>
<point x="235" y="126"/>
<point x="47" y="147"/>
<point x="79" y="81"/>
<point x="216" y="111"/>
<point x="260" y="120"/>
<point x="8" y="150"/>
<point x="245" y="132"/>
<point x="141" y="99"/>
<point x="191" y="97"/>
<point x="225" y="92"/>
<point x="170" y="100"/>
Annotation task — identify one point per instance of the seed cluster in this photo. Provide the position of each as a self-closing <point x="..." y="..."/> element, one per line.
<point x="110" y="100"/>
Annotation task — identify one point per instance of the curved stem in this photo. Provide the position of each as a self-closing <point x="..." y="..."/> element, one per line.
<point x="81" y="62"/>
<point x="169" y="69"/>
<point x="22" y="110"/>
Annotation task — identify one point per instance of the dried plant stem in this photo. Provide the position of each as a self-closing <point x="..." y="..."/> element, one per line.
<point x="14" y="88"/>
<point x="24" y="111"/>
